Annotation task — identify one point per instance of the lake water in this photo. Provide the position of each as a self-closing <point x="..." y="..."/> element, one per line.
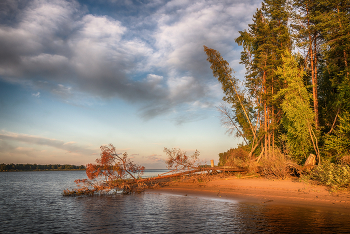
<point x="32" y="202"/>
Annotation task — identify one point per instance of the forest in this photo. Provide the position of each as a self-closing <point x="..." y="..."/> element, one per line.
<point x="35" y="167"/>
<point x="294" y="100"/>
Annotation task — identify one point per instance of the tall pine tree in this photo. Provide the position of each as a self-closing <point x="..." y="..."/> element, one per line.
<point x="264" y="44"/>
<point x="308" y="38"/>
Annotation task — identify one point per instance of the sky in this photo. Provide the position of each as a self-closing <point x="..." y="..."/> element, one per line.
<point x="75" y="75"/>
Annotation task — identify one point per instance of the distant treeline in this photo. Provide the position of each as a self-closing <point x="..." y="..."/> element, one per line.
<point x="36" y="167"/>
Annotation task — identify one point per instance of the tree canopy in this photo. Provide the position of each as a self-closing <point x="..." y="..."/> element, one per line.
<point x="295" y="97"/>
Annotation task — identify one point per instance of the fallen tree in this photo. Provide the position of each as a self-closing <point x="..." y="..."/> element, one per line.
<point x="116" y="173"/>
<point x="112" y="171"/>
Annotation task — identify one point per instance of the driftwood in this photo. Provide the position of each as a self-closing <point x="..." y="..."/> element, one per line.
<point x="165" y="176"/>
<point x="298" y="169"/>
<point x="171" y="175"/>
<point x="192" y="171"/>
<point x="139" y="185"/>
<point x="345" y="160"/>
<point x="310" y="161"/>
<point x="230" y="169"/>
<point x="129" y="186"/>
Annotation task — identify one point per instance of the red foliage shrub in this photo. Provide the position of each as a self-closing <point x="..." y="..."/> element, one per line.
<point x="178" y="159"/>
<point x="114" y="168"/>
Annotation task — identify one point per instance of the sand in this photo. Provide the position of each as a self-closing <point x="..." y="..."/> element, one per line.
<point x="282" y="192"/>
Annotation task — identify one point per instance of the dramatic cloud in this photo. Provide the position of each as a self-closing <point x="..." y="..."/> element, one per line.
<point x="154" y="59"/>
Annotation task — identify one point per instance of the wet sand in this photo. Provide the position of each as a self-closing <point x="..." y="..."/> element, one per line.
<point x="260" y="190"/>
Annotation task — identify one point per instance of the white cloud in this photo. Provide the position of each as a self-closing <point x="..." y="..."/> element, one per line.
<point x="152" y="78"/>
<point x="156" y="60"/>
<point x="101" y="29"/>
<point x="37" y="95"/>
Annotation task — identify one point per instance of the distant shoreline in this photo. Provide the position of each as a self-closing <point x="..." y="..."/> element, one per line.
<point x="67" y="170"/>
<point x="46" y="170"/>
<point x="39" y="167"/>
<point x="264" y="191"/>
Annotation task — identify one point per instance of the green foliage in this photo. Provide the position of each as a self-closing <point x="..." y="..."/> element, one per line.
<point x="334" y="175"/>
<point x="339" y="142"/>
<point x="264" y="43"/>
<point x="298" y="120"/>
<point x="333" y="21"/>
<point x="234" y="157"/>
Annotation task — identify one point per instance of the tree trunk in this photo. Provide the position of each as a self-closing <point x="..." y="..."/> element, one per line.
<point x="315" y="84"/>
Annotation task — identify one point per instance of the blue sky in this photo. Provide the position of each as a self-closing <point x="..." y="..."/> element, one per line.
<point x="75" y="75"/>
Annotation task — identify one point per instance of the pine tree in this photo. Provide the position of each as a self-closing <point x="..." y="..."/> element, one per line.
<point x="307" y="36"/>
<point x="333" y="21"/>
<point x="264" y="43"/>
<point x="243" y="113"/>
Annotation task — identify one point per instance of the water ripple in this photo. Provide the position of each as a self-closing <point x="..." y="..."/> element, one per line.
<point x="32" y="202"/>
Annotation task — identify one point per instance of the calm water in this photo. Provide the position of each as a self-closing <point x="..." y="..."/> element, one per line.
<point x="32" y="202"/>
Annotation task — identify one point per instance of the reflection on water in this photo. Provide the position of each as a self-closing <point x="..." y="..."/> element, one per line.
<point x="32" y="202"/>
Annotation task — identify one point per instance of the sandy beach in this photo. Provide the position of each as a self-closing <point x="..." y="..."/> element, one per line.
<point x="282" y="192"/>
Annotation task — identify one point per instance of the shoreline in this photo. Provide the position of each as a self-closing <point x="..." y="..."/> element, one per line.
<point x="288" y="192"/>
<point x="46" y="170"/>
